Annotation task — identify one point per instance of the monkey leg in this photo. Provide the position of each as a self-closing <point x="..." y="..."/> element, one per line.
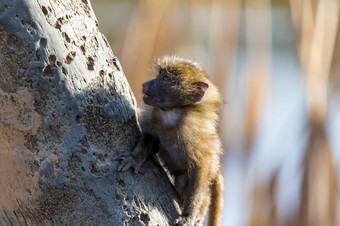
<point x="181" y="187"/>
<point x="197" y="186"/>
<point x="215" y="208"/>
<point x="203" y="209"/>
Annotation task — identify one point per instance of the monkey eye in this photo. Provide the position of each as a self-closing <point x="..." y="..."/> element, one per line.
<point x="166" y="78"/>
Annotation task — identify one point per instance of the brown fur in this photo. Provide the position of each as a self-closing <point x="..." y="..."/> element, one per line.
<point x="186" y="138"/>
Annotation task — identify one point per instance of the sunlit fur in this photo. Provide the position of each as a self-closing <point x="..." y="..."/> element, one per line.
<point x="189" y="142"/>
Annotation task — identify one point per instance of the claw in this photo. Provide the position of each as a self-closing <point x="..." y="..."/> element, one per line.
<point x="120" y="167"/>
<point x="118" y="158"/>
<point x="126" y="167"/>
<point x="177" y="221"/>
<point x="182" y="221"/>
<point x="137" y="167"/>
<point x="127" y="163"/>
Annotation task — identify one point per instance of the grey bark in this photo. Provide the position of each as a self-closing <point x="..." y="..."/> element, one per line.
<point x="66" y="110"/>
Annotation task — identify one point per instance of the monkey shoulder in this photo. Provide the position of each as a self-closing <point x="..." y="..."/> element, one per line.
<point x="145" y="119"/>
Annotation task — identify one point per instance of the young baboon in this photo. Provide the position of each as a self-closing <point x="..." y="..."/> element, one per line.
<point x="179" y="123"/>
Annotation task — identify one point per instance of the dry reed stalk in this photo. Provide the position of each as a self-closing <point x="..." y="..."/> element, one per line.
<point x="258" y="31"/>
<point x="140" y="40"/>
<point x="263" y="207"/>
<point x="335" y="70"/>
<point x="225" y="18"/>
<point x="317" y="40"/>
<point x="319" y="195"/>
<point x="307" y="30"/>
<point x="258" y="27"/>
<point x="303" y="17"/>
<point x="322" y="47"/>
<point x="318" y="203"/>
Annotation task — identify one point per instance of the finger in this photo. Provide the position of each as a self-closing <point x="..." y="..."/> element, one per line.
<point x="137" y="167"/>
<point x="122" y="166"/>
<point x="118" y="158"/>
<point x="126" y="167"/>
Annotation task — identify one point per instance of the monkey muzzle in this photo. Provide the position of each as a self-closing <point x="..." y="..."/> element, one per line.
<point x="145" y="88"/>
<point x="147" y="95"/>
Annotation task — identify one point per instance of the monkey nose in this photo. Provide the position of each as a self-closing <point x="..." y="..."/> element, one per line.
<point x="145" y="88"/>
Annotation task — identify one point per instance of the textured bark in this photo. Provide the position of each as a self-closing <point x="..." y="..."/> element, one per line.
<point x="66" y="110"/>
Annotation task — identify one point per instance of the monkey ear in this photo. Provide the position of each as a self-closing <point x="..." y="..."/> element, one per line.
<point x="199" y="91"/>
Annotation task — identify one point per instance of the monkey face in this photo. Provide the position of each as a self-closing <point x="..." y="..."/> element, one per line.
<point x="169" y="91"/>
<point x="179" y="82"/>
<point x="160" y="92"/>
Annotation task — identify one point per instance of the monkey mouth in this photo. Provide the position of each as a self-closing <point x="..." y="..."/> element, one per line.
<point x="146" y="96"/>
<point x="149" y="99"/>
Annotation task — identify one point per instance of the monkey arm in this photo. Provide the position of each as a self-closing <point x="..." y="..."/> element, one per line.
<point x="197" y="183"/>
<point x="147" y="145"/>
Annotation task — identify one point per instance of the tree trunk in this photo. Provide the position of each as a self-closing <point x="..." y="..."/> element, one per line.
<point x="66" y="110"/>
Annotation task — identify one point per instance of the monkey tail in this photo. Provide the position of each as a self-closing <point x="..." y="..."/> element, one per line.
<point x="215" y="208"/>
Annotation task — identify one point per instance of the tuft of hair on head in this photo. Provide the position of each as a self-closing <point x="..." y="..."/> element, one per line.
<point x="169" y="59"/>
<point x="172" y="62"/>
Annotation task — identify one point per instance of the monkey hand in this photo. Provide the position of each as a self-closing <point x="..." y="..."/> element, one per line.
<point x="183" y="221"/>
<point x="127" y="162"/>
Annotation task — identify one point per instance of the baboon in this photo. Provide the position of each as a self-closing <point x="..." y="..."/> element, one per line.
<point x="179" y="124"/>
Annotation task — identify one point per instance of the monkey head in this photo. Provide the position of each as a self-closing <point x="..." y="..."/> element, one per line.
<point x="178" y="82"/>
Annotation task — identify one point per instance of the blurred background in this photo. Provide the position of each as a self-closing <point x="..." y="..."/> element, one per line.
<point x="276" y="63"/>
